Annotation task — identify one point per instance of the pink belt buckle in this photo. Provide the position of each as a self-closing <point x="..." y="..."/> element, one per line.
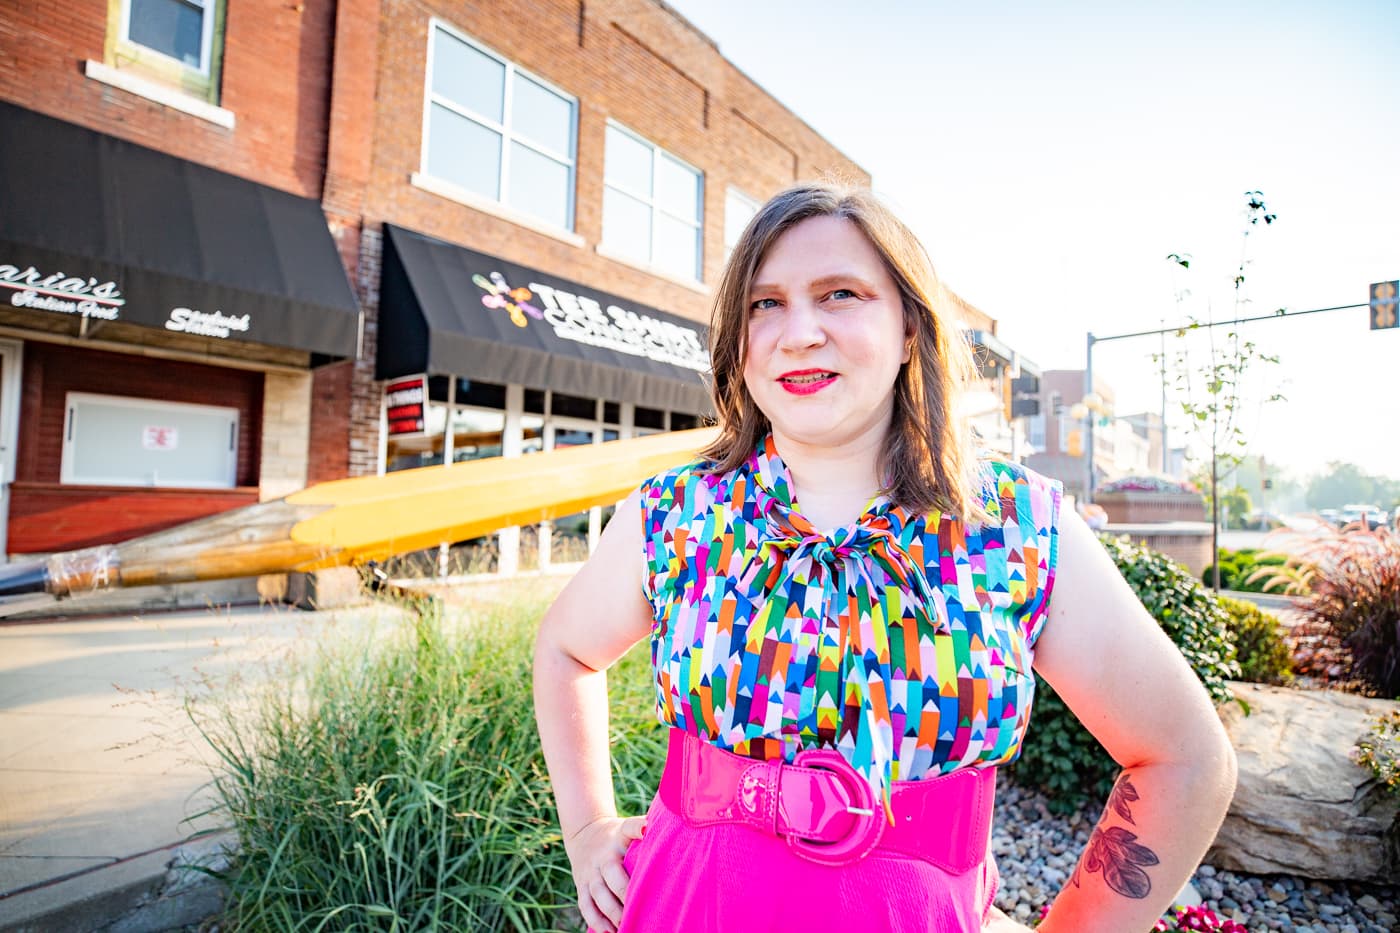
<point x="867" y="827"/>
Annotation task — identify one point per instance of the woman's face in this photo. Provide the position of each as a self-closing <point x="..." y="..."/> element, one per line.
<point x="826" y="335"/>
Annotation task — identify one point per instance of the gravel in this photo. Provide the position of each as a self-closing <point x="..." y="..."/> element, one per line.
<point x="1037" y="850"/>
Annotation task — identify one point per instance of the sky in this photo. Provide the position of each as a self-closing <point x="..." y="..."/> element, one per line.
<point x="1052" y="155"/>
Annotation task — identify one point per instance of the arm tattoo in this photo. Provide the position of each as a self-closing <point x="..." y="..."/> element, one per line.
<point x="1115" y="851"/>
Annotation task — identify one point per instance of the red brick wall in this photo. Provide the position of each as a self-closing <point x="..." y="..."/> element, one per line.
<point x="51" y="371"/>
<point x="276" y="81"/>
<point x="46" y="515"/>
<point x="328" y="453"/>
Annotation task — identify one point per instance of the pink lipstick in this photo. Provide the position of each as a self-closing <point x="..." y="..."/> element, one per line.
<point x="806" y="381"/>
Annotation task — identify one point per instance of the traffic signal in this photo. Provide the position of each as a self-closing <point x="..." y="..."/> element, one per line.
<point x="1384" y="311"/>
<point x="1076" y="443"/>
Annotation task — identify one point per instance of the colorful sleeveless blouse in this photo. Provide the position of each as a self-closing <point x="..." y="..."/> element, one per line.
<point x="903" y="641"/>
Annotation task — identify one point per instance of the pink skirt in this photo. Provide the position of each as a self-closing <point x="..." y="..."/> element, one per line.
<point x="730" y="877"/>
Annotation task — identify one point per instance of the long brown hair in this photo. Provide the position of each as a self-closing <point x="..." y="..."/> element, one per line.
<point x="927" y="461"/>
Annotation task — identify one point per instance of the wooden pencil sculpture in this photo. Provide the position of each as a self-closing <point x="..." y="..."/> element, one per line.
<point x="353" y="521"/>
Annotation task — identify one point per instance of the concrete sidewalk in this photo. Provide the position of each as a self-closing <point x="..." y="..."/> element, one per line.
<point x="102" y="774"/>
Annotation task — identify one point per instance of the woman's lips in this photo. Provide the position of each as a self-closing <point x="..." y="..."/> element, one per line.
<point x="807" y="381"/>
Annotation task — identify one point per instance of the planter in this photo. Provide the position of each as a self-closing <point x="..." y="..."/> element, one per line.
<point x="1139" y="507"/>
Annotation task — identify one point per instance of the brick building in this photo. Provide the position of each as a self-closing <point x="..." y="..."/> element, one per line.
<point x="592" y="159"/>
<point x="530" y="204"/>
<point x="171" y="295"/>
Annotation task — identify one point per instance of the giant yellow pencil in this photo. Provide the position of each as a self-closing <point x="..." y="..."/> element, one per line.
<point x="352" y="521"/>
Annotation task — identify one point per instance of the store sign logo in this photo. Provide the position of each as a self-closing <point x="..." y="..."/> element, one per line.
<point x="514" y="301"/>
<point x="203" y="324"/>
<point x="584" y="320"/>
<point x="61" y="293"/>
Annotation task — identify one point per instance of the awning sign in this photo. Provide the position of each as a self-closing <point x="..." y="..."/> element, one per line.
<point x="406" y="406"/>
<point x="448" y="309"/>
<point x="583" y="320"/>
<point x="148" y="239"/>
<point x="61" y="293"/>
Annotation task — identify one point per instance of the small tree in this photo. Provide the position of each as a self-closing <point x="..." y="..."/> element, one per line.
<point x="1210" y="390"/>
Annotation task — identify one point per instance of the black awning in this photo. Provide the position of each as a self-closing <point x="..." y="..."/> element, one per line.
<point x="446" y="309"/>
<point x="93" y="226"/>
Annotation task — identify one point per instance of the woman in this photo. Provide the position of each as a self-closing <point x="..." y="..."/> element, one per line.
<point x="843" y="676"/>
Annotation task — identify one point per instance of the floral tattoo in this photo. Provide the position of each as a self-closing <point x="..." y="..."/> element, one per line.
<point x="1115" y="851"/>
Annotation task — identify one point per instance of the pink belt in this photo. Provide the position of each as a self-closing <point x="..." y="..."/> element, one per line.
<point x="826" y="811"/>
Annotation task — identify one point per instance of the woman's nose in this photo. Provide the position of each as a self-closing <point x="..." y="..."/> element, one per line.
<point x="802" y="327"/>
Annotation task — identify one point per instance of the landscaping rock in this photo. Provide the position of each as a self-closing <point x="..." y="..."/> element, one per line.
<point x="1303" y="806"/>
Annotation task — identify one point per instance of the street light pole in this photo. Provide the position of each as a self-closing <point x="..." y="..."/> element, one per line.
<point x="1089" y="432"/>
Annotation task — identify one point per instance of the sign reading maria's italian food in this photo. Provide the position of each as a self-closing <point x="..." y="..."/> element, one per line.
<point x="61" y="293"/>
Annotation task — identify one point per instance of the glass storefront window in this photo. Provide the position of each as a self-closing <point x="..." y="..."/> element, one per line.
<point x="651" y="418"/>
<point x="477" y="434"/>
<point x="573" y="406"/>
<point x="533" y="429"/>
<point x="481" y="394"/>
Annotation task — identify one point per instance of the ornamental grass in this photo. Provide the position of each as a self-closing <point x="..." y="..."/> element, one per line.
<point x="1348" y="581"/>
<point x="397" y="784"/>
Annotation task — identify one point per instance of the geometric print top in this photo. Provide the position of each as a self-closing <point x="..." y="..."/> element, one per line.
<point x="903" y="641"/>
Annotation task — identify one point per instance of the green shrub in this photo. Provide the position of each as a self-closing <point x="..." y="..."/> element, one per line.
<point x="1059" y="755"/>
<point x="1238" y="570"/>
<point x="1228" y="574"/>
<point x="1263" y="656"/>
<point x="399" y="785"/>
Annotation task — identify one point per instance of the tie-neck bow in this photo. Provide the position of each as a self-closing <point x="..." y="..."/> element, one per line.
<point x="843" y="562"/>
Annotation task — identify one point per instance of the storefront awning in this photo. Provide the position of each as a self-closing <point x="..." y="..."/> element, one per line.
<point x="93" y="226"/>
<point x="448" y="310"/>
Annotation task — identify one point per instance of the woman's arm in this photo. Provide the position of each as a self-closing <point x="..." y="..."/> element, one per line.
<point x="599" y="615"/>
<point x="1130" y="686"/>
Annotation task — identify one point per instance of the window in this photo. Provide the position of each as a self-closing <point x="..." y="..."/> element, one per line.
<point x="650" y="418"/>
<point x="496" y="132"/>
<point x="651" y="205"/>
<point x="112" y="440"/>
<point x="168" y="51"/>
<point x="1035" y="431"/>
<point x="179" y="29"/>
<point x="739" y="209"/>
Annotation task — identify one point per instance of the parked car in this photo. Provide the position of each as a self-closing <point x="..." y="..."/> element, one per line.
<point x="1374" y="516"/>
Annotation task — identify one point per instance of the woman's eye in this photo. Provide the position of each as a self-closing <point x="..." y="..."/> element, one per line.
<point x="764" y="304"/>
<point x="841" y="294"/>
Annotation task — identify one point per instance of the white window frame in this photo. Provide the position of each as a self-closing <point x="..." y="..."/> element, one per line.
<point x="503" y="127"/>
<point x="738" y="195"/>
<point x="66" y="474"/>
<point x="206" y="40"/>
<point x="649" y="199"/>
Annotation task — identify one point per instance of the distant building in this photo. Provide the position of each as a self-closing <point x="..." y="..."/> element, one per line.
<point x="1123" y="445"/>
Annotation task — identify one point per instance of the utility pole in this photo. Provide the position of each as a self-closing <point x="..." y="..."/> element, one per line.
<point x="1089" y="422"/>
